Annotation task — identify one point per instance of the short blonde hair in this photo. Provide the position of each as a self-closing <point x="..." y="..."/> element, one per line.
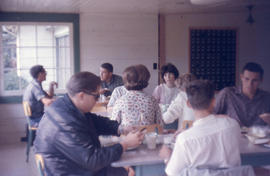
<point x="183" y="80"/>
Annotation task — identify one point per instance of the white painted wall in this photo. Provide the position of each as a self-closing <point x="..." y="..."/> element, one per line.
<point x="122" y="40"/>
<point x="254" y="40"/>
<point x="125" y="40"/>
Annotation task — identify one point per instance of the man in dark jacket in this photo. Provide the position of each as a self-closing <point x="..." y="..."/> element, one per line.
<point x="67" y="137"/>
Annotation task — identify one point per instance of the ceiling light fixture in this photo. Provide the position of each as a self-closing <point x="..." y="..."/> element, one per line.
<point x="207" y="2"/>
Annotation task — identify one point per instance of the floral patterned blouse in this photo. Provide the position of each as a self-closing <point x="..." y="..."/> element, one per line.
<point x="137" y="108"/>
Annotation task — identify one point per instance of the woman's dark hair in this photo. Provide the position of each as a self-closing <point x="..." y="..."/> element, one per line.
<point x="83" y="82"/>
<point x="253" y="67"/>
<point x="136" y="77"/>
<point x="169" y="68"/>
<point x="108" y="67"/>
<point x="200" y="94"/>
<point x="35" y="70"/>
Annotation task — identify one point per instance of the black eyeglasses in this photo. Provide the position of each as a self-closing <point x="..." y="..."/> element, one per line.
<point x="96" y="96"/>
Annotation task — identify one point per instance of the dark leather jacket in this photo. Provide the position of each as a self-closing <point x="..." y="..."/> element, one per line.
<point x="68" y="141"/>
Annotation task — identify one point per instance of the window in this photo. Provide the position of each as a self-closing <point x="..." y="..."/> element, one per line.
<point x="25" y="45"/>
<point x="28" y="39"/>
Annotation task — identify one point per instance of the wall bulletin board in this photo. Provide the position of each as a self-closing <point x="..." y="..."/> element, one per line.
<point x="213" y="55"/>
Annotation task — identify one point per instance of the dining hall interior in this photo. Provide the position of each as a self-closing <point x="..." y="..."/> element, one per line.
<point x="123" y="33"/>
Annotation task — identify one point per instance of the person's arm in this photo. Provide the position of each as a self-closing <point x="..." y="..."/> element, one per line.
<point x="84" y="152"/>
<point x="178" y="159"/>
<point x="116" y="112"/>
<point x="42" y="96"/>
<point x="175" y="110"/>
<point x="114" y="97"/>
<point x="51" y="89"/>
<point x="156" y="93"/>
<point x="47" y="101"/>
<point x="158" y="115"/>
<point x="220" y="106"/>
<point x="104" y="125"/>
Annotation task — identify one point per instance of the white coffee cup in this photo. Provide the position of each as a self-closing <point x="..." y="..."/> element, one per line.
<point x="150" y="139"/>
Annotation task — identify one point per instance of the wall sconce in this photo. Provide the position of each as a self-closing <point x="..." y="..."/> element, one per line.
<point x="250" y="20"/>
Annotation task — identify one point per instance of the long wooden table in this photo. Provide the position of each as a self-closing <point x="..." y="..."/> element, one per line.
<point x="148" y="162"/>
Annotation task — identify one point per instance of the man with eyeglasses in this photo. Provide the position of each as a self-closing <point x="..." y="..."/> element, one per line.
<point x="68" y="134"/>
<point x="36" y="96"/>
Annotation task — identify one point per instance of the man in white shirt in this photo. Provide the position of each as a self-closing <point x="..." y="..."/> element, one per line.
<point x="213" y="140"/>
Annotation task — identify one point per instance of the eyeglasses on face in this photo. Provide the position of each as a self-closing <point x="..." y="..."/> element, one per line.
<point x="96" y="96"/>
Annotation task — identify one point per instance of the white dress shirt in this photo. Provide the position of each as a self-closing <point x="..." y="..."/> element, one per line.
<point x="178" y="109"/>
<point x="213" y="141"/>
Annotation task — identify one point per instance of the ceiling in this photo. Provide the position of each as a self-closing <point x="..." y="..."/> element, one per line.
<point x="129" y="6"/>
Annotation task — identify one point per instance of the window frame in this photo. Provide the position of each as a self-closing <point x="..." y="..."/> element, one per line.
<point x="45" y="18"/>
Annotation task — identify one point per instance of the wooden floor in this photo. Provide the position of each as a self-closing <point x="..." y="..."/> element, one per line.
<point x="12" y="161"/>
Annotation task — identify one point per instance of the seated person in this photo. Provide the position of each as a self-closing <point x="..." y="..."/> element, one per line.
<point x="167" y="91"/>
<point x="116" y="94"/>
<point x="213" y="140"/>
<point x="178" y="109"/>
<point x="36" y="96"/>
<point x="136" y="108"/>
<point x="109" y="81"/>
<point x="247" y="102"/>
<point x="68" y="134"/>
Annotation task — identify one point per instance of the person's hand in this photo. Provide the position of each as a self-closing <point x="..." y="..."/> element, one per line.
<point x="265" y="117"/>
<point x="53" y="83"/>
<point x="132" y="139"/>
<point x="165" y="152"/>
<point x="103" y="90"/>
<point x="130" y="171"/>
<point x="126" y="129"/>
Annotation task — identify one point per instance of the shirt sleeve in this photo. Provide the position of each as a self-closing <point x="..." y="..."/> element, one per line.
<point x="156" y="93"/>
<point x="83" y="151"/>
<point x="104" y="125"/>
<point x="39" y="93"/>
<point x="178" y="160"/>
<point x="220" y="107"/>
<point x="175" y="110"/>
<point x="114" y="97"/>
<point x="158" y="115"/>
<point x="116" y="113"/>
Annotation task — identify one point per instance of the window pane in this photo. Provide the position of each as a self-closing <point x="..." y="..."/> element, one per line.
<point x="9" y="35"/>
<point x="25" y="75"/>
<point x="62" y="32"/>
<point x="27" y="57"/>
<point x="63" y="76"/>
<point x="46" y="57"/>
<point x="27" y="35"/>
<point x="45" y="36"/>
<point x="9" y="56"/>
<point x="11" y="80"/>
<point x="51" y="76"/>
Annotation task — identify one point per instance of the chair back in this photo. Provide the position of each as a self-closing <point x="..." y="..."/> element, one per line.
<point x="27" y="109"/>
<point x="40" y="164"/>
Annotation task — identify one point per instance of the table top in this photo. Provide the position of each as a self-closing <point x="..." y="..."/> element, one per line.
<point x="144" y="156"/>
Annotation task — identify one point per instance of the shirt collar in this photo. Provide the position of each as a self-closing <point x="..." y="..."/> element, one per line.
<point x="238" y="90"/>
<point x="204" y="121"/>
